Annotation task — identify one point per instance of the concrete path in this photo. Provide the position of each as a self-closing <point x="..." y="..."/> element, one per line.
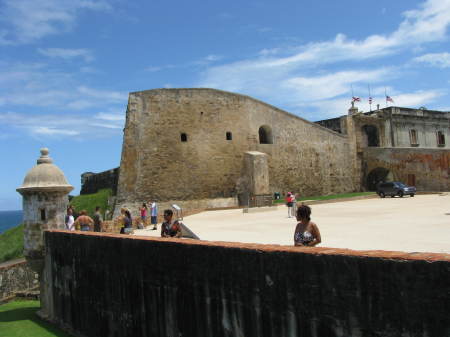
<point x="419" y="224"/>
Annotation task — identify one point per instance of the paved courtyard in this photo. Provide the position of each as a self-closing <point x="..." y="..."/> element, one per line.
<point x="419" y="224"/>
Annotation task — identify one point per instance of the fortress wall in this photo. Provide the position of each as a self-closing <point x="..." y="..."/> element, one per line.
<point x="111" y="285"/>
<point x="305" y="157"/>
<point x="431" y="167"/>
<point x="94" y="182"/>
<point x="16" y="276"/>
<point x="155" y="163"/>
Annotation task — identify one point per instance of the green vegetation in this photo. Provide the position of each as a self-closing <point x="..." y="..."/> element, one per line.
<point x="11" y="244"/>
<point x="18" y="319"/>
<point x="328" y="197"/>
<point x="90" y="201"/>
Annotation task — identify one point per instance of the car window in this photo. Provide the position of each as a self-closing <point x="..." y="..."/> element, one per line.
<point x="400" y="184"/>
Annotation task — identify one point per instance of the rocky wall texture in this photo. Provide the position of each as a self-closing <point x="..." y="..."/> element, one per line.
<point x="430" y="167"/>
<point x="112" y="285"/>
<point x="189" y="144"/>
<point x="16" y="276"/>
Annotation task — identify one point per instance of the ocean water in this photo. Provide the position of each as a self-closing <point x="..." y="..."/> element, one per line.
<point x="9" y="219"/>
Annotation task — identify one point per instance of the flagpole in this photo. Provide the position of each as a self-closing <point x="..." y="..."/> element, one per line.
<point x="370" y="99"/>
<point x="385" y="97"/>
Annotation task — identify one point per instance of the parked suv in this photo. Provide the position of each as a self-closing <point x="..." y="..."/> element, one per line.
<point x="395" y="188"/>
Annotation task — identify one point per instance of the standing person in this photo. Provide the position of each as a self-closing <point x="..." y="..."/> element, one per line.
<point x="69" y="220"/>
<point x="170" y="227"/>
<point x="144" y="210"/>
<point x="289" y="203"/>
<point x="98" y="220"/>
<point x="294" y="205"/>
<point x="84" y="222"/>
<point x="306" y="232"/>
<point x="127" y="223"/>
<point x="154" y="214"/>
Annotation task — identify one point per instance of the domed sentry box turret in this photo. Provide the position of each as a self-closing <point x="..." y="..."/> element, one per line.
<point x="45" y="198"/>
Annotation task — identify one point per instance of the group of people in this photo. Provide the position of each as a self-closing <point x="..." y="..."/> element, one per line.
<point x="83" y="221"/>
<point x="306" y="232"/>
<point x="153" y="214"/>
<point x="170" y="227"/>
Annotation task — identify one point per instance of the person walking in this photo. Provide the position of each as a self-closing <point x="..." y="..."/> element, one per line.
<point x="154" y="214"/>
<point x="84" y="222"/>
<point x="306" y="232"/>
<point x="98" y="220"/>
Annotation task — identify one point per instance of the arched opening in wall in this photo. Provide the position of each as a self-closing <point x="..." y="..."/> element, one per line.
<point x="183" y="137"/>
<point x="265" y="135"/>
<point x="229" y="135"/>
<point x="380" y="174"/>
<point x="371" y="135"/>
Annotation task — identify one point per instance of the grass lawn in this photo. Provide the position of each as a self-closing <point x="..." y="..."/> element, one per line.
<point x="90" y="201"/>
<point x="328" y="197"/>
<point x="11" y="244"/>
<point x="18" y="319"/>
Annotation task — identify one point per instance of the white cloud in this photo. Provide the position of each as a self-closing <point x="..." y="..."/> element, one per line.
<point x="67" y="54"/>
<point x="440" y="60"/>
<point x="63" y="124"/>
<point x="30" y="20"/>
<point x="333" y="84"/>
<point x="109" y="96"/>
<point x="43" y="130"/>
<point x="41" y="86"/>
<point x="294" y="75"/>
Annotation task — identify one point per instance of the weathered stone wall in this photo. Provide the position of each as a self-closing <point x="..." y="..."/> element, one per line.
<point x="431" y="167"/>
<point x="41" y="211"/>
<point x="113" y="285"/>
<point x="16" y="276"/>
<point x="155" y="163"/>
<point x="93" y="182"/>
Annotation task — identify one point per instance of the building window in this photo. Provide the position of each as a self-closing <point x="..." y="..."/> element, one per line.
<point x="440" y="138"/>
<point x="229" y="135"/>
<point x="42" y="214"/>
<point x="413" y="138"/>
<point x="265" y="135"/>
<point x="184" y="137"/>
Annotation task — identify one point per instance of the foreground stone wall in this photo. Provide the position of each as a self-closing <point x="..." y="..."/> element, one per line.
<point x="16" y="276"/>
<point x="112" y="285"/>
<point x="430" y="167"/>
<point x="219" y="127"/>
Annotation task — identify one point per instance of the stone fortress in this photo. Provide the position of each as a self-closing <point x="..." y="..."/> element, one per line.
<point x="106" y="284"/>
<point x="206" y="148"/>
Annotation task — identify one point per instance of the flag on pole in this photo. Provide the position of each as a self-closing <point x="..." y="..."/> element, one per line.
<point x="389" y="99"/>
<point x="370" y="100"/>
<point x="356" y="99"/>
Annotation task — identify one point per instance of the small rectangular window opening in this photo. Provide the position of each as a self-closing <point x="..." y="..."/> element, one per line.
<point x="229" y="135"/>
<point x="43" y="214"/>
<point x="440" y="138"/>
<point x="413" y="137"/>
<point x="184" y="137"/>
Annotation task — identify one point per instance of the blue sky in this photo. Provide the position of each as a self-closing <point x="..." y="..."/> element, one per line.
<point x="66" y="66"/>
